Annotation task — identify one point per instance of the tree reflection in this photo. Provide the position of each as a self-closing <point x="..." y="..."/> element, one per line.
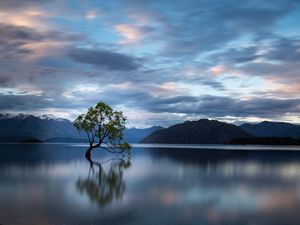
<point x="105" y="181"/>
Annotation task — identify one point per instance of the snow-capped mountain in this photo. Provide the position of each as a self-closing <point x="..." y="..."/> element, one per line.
<point x="16" y="127"/>
<point x="13" y="115"/>
<point x="22" y="116"/>
<point x="51" y="117"/>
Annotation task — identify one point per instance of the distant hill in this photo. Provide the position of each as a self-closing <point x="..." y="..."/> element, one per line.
<point x="135" y="135"/>
<point x="272" y="129"/>
<point x="203" y="131"/>
<point x="48" y="128"/>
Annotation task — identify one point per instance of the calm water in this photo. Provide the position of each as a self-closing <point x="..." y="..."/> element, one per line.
<point x="43" y="184"/>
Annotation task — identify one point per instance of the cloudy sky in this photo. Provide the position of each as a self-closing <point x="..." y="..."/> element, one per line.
<point x="160" y="62"/>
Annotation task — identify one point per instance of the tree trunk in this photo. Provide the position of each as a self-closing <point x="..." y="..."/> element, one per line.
<point x="88" y="154"/>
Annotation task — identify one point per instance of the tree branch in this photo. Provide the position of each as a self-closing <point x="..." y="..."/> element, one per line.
<point x="88" y="134"/>
<point x="106" y="133"/>
<point x="108" y="145"/>
<point x="112" y="151"/>
<point x="99" y="128"/>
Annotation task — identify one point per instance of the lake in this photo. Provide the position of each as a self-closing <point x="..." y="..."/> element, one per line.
<point x="43" y="184"/>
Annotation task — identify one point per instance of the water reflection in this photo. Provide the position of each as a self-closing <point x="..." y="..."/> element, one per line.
<point x="51" y="184"/>
<point x="103" y="185"/>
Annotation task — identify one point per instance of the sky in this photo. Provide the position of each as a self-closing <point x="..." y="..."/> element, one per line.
<point x="160" y="62"/>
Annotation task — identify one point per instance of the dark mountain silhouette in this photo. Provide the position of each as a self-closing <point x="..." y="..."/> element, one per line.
<point x="203" y="131"/>
<point x="48" y="128"/>
<point x="272" y="129"/>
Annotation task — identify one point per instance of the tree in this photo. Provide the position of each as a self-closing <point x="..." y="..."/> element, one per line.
<point x="104" y="128"/>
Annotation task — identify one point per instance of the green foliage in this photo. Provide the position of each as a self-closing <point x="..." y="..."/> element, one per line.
<point x="104" y="128"/>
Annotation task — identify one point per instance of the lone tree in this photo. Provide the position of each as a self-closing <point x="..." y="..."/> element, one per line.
<point x="104" y="128"/>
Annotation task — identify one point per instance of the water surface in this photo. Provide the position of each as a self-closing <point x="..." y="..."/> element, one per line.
<point x="54" y="184"/>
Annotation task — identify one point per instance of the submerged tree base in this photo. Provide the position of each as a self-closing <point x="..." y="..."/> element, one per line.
<point x="88" y="154"/>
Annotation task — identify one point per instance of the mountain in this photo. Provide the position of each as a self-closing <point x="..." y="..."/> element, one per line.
<point x="48" y="128"/>
<point x="272" y="129"/>
<point x="203" y="131"/>
<point x="20" y="127"/>
<point x="135" y="135"/>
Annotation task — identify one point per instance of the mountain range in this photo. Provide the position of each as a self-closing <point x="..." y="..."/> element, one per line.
<point x="48" y="128"/>
<point x="272" y="129"/>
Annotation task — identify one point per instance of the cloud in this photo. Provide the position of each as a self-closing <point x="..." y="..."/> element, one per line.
<point x="273" y="62"/>
<point x="91" y="14"/>
<point x="13" y="38"/>
<point x="23" y="34"/>
<point x="20" y="41"/>
<point x="14" y="4"/>
<point x="218" y="69"/>
<point x="197" y="26"/>
<point x="178" y="106"/>
<point x="129" y="32"/>
<point x="27" y="16"/>
<point x="134" y="33"/>
<point x="284" y="50"/>
<point x="22" y="102"/>
<point x="238" y="55"/>
<point x="105" y="59"/>
<point x="200" y="106"/>
<point x="4" y="78"/>
<point x="153" y="57"/>
<point x="216" y="106"/>
<point x="265" y="107"/>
